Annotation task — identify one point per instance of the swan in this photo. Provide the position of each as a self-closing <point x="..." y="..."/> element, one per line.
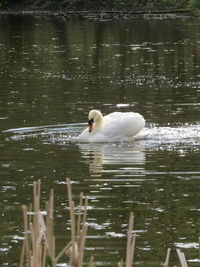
<point x="114" y="127"/>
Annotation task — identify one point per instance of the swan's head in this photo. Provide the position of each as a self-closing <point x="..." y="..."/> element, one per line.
<point x="96" y="117"/>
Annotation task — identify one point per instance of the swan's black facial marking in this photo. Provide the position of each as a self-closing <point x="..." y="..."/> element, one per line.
<point x="90" y="123"/>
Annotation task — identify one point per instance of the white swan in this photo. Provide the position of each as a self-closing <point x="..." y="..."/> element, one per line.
<point x="115" y="127"/>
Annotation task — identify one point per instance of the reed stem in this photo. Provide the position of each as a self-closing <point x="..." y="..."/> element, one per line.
<point x="72" y="221"/>
<point x="182" y="258"/>
<point x="79" y="215"/>
<point x="130" y="242"/>
<point x="166" y="263"/>
<point x="82" y="245"/>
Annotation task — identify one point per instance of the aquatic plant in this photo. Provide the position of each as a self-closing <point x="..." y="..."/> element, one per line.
<point x="39" y="244"/>
<point x="39" y="240"/>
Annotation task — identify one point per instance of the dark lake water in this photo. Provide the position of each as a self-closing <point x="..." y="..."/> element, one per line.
<point x="52" y="73"/>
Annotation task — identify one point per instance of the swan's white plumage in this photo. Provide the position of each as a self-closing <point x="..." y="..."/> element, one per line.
<point x="115" y="127"/>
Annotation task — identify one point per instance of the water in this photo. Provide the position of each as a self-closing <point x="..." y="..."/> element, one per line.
<point x="52" y="73"/>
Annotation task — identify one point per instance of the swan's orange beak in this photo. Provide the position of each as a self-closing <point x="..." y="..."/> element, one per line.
<point x="90" y="125"/>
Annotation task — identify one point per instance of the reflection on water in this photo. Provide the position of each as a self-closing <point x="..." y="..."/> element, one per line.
<point x="52" y="73"/>
<point x="97" y="156"/>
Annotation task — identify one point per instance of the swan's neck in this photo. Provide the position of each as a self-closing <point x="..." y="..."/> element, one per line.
<point x="98" y="124"/>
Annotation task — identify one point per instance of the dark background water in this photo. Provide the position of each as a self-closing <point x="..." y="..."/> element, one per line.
<point x="52" y="73"/>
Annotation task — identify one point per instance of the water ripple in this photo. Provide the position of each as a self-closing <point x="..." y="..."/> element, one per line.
<point x="152" y="137"/>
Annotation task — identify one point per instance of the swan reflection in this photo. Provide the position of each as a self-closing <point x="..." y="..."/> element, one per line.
<point x="126" y="157"/>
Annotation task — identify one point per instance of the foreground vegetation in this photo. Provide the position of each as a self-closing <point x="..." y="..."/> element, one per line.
<point x="133" y="5"/>
<point x="39" y="244"/>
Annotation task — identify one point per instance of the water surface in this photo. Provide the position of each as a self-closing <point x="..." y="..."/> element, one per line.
<point x="52" y="73"/>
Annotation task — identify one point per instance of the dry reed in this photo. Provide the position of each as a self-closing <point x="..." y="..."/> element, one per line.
<point x="166" y="264"/>
<point x="39" y="247"/>
<point x="182" y="258"/>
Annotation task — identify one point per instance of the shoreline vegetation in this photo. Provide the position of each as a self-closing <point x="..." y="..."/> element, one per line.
<point x="39" y="242"/>
<point x="102" y="15"/>
<point x="102" y="10"/>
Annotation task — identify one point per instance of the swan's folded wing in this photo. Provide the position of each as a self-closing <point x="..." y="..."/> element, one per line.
<point x="119" y="124"/>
